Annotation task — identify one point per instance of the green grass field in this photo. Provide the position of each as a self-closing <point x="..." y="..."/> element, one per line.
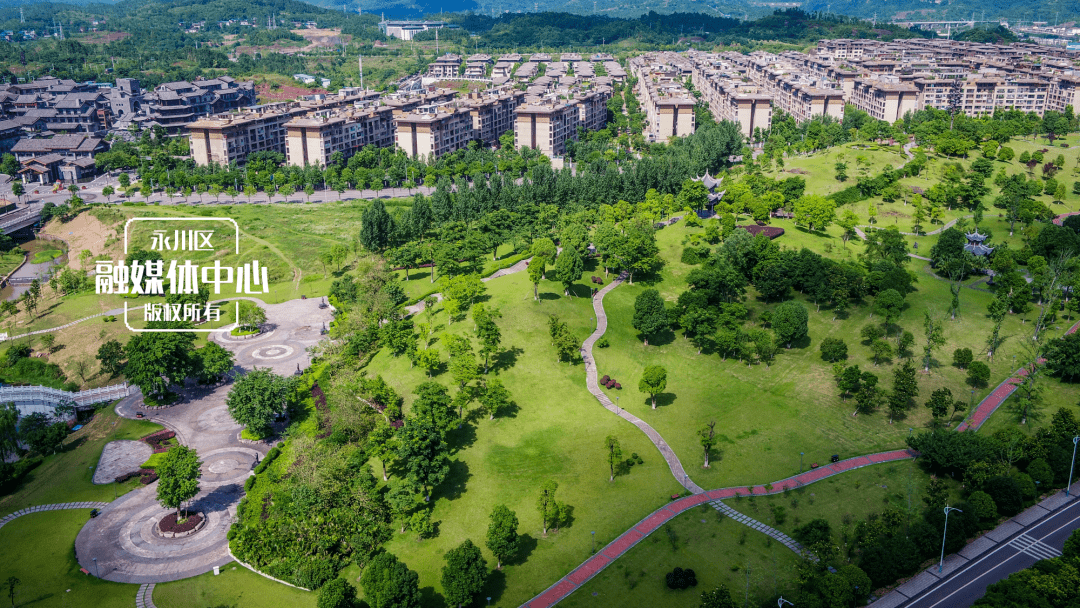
<point x="39" y="550"/>
<point x="236" y="586"/>
<point x="67" y="476"/>
<point x="718" y="549"/>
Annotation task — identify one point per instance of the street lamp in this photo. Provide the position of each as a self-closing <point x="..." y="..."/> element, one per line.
<point x="941" y="563"/>
<point x="594" y="541"/>
<point x="617" y="412"/>
<point x="780" y="602"/>
<point x="1068" y="483"/>
<point x="800" y="461"/>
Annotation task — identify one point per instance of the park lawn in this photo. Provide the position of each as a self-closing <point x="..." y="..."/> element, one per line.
<point x="418" y="284"/>
<point x="67" y="476"/>
<point x="39" y="550"/>
<point x="54" y="310"/>
<point x="10" y="260"/>
<point x="235" y="586"/>
<point x="556" y="431"/>
<point x="718" y="550"/>
<point x="767" y="415"/>
<point x="846" y="498"/>
<point x="1056" y="395"/>
<point x="819" y="168"/>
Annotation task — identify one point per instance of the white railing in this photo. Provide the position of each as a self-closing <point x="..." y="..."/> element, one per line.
<point x="31" y="399"/>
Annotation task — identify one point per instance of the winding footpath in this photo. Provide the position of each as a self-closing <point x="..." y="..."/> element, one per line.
<point x="54" y="507"/>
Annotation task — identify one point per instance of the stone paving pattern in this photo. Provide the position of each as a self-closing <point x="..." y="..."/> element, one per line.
<point x="54" y="507"/>
<point x="119" y="457"/>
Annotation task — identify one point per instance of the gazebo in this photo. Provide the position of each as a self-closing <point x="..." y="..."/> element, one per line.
<point x="975" y="244"/>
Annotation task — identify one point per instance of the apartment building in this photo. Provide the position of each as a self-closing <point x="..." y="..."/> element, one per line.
<point x="669" y="107"/>
<point x="175" y="104"/>
<point x="432" y="131"/>
<point x="546" y="126"/>
<point x="221" y="140"/>
<point x="314" y="138"/>
<point x="446" y="66"/>
<point x="493" y="113"/>
<point x="888" y="101"/>
<point x="592" y="107"/>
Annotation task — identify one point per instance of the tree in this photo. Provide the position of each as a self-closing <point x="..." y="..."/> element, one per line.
<point x="424" y="452"/>
<point x="649" y="314"/>
<point x="388" y="583"/>
<point x="32" y="296"/>
<point x="42" y="433"/>
<point x="495" y="397"/>
<point x="962" y="357"/>
<point x="178" y="477"/>
<point x="833" y="350"/>
<point x="337" y="593"/>
<point x="1063" y="357"/>
<point x="940" y="402"/>
<point x="614" y="453"/>
<point x="9" y="431"/>
<point x="551" y="511"/>
<point x="536" y="274"/>
<point x="568" y="268"/>
<point x="428" y="359"/>
<point x="251" y="316"/>
<point x="487" y="331"/>
<point x="889" y="304"/>
<point x="383" y="444"/>
<point x="653" y="382"/>
<point x="708" y="439"/>
<point x="502" y="536"/>
<point x="790" y="322"/>
<point x="157" y="360"/>
<point x="434" y="405"/>
<point x="978" y="374"/>
<point x="257" y="399"/>
<point x="717" y="598"/>
<point x="214" y="362"/>
<point x="377" y="227"/>
<point x="464" y="574"/>
<point x="934" y="338"/>
<point x="460" y="292"/>
<point x="815" y="211"/>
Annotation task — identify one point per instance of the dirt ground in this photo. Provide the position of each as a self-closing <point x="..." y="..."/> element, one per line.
<point x="83" y="232"/>
<point x="284" y="93"/>
<point x="322" y="38"/>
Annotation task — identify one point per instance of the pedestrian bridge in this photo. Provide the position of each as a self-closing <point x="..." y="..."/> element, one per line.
<point x="34" y="399"/>
<point x="17" y="220"/>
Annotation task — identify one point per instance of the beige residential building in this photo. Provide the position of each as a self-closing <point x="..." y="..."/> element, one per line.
<point x="313" y="139"/>
<point x="493" y="114"/>
<point x="888" y="101"/>
<point x="231" y="138"/>
<point x="446" y="66"/>
<point x="546" y="127"/>
<point x="433" y="131"/>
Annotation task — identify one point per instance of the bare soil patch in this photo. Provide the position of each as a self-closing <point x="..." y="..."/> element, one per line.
<point x="169" y="523"/>
<point x="83" y="232"/>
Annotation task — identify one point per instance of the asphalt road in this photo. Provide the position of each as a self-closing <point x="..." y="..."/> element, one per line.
<point x="1041" y="541"/>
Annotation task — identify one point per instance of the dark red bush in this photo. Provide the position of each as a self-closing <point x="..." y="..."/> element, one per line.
<point x="126" y="476"/>
<point x="770" y="231"/>
<point x="605" y="379"/>
<point x="168" y="523"/>
<point x="618" y="386"/>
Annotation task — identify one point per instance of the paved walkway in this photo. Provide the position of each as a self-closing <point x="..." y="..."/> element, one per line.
<point x="54" y="507"/>
<point x="145" y="597"/>
<point x="998" y="396"/>
<point x="123" y="537"/>
<point x="120" y="457"/>
<point x="594" y="388"/>
<point x="594" y="565"/>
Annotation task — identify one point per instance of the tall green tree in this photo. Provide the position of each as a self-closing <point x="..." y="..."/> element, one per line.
<point x="537" y="267"/>
<point x="933" y="337"/>
<point x="9" y="431"/>
<point x="708" y="440"/>
<point x="377" y="227"/>
<point x="614" y="453"/>
<point x="178" y="477"/>
<point x="551" y="510"/>
<point x="653" y="382"/>
<point x="388" y="583"/>
<point x="111" y="355"/>
<point x="649" y="314"/>
<point x="424" y="453"/>
<point x="502" y="536"/>
<point x="464" y="574"/>
<point x="257" y="398"/>
<point x="568" y="268"/>
<point x="790" y="321"/>
<point x="495" y="398"/>
<point x="157" y="360"/>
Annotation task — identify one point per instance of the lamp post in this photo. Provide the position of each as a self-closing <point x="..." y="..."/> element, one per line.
<point x="618" y="413"/>
<point x="909" y="431"/>
<point x="594" y="541"/>
<point x="1068" y="483"/>
<point x="800" y="461"/>
<point x="941" y="563"/>
<point x="780" y="602"/>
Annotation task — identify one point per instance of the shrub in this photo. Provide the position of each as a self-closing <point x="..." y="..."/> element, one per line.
<point x="269" y="458"/>
<point x="962" y="357"/>
<point x="618" y="386"/>
<point x="604" y="380"/>
<point x="337" y="593"/>
<point x="694" y="255"/>
<point x="315" y="573"/>
<point x="1028" y="489"/>
<point x="250" y="483"/>
<point x="982" y="506"/>
<point x="1040" y="471"/>
<point x="833" y="350"/>
<point x="1005" y="491"/>
<point x="126" y="476"/>
<point x="681" y="579"/>
<point x="603" y="343"/>
<point x="12" y="473"/>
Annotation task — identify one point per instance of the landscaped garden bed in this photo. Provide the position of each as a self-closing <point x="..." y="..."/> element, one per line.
<point x="160" y="441"/>
<point x="172" y="524"/>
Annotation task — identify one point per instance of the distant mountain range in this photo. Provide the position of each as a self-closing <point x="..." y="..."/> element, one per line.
<point x="1051" y="11"/>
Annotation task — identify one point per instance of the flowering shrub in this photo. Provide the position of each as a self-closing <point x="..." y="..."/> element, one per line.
<point x="159" y="441"/>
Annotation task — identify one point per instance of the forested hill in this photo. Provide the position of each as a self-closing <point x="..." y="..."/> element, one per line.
<point x="561" y="30"/>
<point x="1053" y="11"/>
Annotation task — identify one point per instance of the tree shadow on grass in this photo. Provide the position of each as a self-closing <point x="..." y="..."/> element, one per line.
<point x="429" y="597"/>
<point x="660" y="338"/>
<point x="493" y="588"/>
<point x="662" y="400"/>
<point x="455" y="483"/>
<point x="462" y="436"/>
<point x="506" y="359"/>
<point x="552" y="296"/>
<point x="526" y="545"/>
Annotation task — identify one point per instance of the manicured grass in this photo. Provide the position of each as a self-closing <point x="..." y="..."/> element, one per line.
<point x="767" y="415"/>
<point x="67" y="476"/>
<point x="717" y="549"/>
<point x="556" y="431"/>
<point x="235" y="586"/>
<point x="153" y="462"/>
<point x="10" y="260"/>
<point x="39" y="550"/>
<point x="845" y="498"/>
<point x="46" y="255"/>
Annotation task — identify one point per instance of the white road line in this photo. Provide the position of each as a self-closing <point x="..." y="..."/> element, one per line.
<point x="965" y="585"/>
<point x="1034" y="548"/>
